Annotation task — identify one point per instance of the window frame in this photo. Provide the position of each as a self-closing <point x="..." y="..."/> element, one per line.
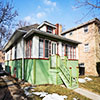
<point x="86" y="48"/>
<point x="86" y="29"/>
<point x="41" y="55"/>
<point x="44" y="48"/>
<point x="49" y="30"/>
<point x="53" y="49"/>
<point x="29" y="48"/>
<point x="71" y="33"/>
<point x="70" y="51"/>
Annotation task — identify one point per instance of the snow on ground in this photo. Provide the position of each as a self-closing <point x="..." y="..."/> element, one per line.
<point x="41" y="94"/>
<point x="54" y="96"/>
<point x="88" y="79"/>
<point x="83" y="80"/>
<point x="46" y="96"/>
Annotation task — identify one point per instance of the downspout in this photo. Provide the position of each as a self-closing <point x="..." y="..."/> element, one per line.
<point x="22" y="58"/>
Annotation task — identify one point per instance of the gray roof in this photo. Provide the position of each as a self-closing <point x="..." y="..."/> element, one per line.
<point x="14" y="38"/>
<point x="82" y="25"/>
<point x="52" y="36"/>
<point x="27" y="28"/>
<point x="27" y="31"/>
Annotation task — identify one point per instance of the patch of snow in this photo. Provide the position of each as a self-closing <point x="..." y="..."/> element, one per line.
<point x="74" y="99"/>
<point x="88" y="79"/>
<point x="26" y="88"/>
<point x="42" y="94"/>
<point x="81" y="80"/>
<point x="46" y="96"/>
<point x="27" y="93"/>
<point x="54" y="96"/>
<point x="32" y="89"/>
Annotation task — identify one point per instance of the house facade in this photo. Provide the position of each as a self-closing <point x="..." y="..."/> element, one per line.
<point x="39" y="55"/>
<point x="89" y="50"/>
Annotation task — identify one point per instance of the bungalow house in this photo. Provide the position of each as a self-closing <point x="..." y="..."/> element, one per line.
<point x="39" y="55"/>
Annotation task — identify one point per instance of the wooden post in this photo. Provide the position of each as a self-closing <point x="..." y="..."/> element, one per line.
<point x="77" y="68"/>
<point x="70" y="76"/>
<point x="57" y="69"/>
<point x="34" y="69"/>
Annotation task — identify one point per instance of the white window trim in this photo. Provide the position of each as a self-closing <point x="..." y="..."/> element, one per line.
<point x="51" y="47"/>
<point x="48" y="49"/>
<point x="86" y="28"/>
<point x="86" y="49"/>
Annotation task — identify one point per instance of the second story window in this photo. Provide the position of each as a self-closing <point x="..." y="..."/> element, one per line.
<point x="86" y="48"/>
<point x="70" y="33"/>
<point x="99" y="30"/>
<point x="86" y="29"/>
<point x="49" y="29"/>
<point x="99" y="45"/>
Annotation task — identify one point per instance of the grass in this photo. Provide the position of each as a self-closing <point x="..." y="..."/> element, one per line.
<point x="61" y="91"/>
<point x="93" y="85"/>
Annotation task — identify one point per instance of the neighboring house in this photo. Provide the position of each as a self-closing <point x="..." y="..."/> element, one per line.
<point x="2" y="58"/>
<point x="39" y="55"/>
<point x="89" y="51"/>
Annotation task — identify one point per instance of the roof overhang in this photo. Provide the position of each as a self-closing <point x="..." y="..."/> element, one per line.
<point x="81" y="25"/>
<point x="14" y="38"/>
<point x="52" y="36"/>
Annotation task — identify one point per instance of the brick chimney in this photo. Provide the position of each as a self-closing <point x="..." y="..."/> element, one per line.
<point x="58" y="30"/>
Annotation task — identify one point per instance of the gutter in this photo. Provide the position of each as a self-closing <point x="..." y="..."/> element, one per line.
<point x="35" y="31"/>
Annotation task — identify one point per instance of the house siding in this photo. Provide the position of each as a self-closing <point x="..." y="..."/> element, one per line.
<point x="91" y="37"/>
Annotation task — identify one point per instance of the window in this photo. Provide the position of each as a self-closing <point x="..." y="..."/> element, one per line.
<point x="11" y="54"/>
<point x="53" y="48"/>
<point x="63" y="49"/>
<point x="15" y="51"/>
<point x="40" y="48"/>
<point x="86" y="47"/>
<point x="70" y="33"/>
<point x="74" y="53"/>
<point x="49" y="29"/>
<point x="99" y="30"/>
<point x="86" y="29"/>
<point x="99" y="45"/>
<point x="70" y="52"/>
<point x="66" y="50"/>
<point x="46" y="48"/>
<point x="28" y="48"/>
<point x="43" y="48"/>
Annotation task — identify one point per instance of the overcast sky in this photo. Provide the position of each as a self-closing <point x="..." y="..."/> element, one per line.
<point x="54" y="11"/>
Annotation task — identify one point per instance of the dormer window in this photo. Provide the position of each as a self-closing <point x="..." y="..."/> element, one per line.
<point x="49" y="29"/>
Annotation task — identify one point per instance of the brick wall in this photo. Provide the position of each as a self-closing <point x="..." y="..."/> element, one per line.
<point x="93" y="39"/>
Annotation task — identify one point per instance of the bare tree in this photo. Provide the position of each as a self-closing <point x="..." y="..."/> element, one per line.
<point x="22" y="24"/>
<point x="92" y="6"/>
<point x="7" y="15"/>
